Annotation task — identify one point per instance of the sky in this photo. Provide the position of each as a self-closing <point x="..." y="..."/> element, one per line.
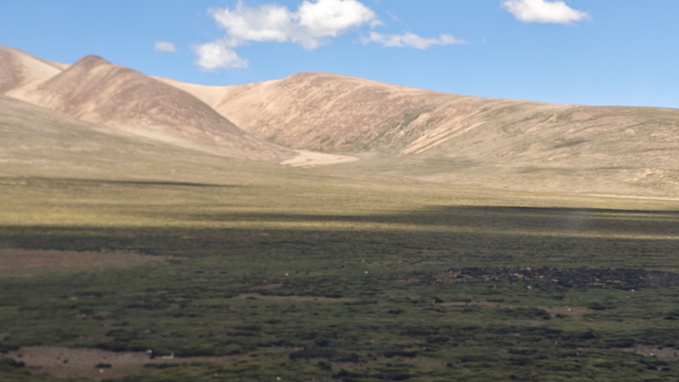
<point x="615" y="52"/>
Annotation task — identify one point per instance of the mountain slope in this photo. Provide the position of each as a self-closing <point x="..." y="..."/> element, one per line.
<point x="20" y="69"/>
<point x="506" y="143"/>
<point x="317" y="111"/>
<point x="97" y="91"/>
<point x="38" y="142"/>
<point x="395" y="130"/>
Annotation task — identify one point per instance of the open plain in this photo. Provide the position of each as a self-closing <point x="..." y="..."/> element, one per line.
<point x="138" y="249"/>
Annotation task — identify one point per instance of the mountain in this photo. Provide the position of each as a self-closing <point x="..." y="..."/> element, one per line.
<point x="318" y="111"/>
<point x="460" y="139"/>
<point x="20" y="69"/>
<point x="395" y="131"/>
<point x="40" y="143"/>
<point x="97" y="91"/>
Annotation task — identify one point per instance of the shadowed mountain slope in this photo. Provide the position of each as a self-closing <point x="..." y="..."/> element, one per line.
<point x="97" y="91"/>
<point x="38" y="142"/>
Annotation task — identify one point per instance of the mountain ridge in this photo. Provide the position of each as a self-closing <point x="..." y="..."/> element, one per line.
<point x="98" y="91"/>
<point x="22" y="69"/>
<point x="515" y="143"/>
<point x="393" y="130"/>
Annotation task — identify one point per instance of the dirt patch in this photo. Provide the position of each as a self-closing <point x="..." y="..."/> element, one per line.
<point x="312" y="159"/>
<point x="35" y="259"/>
<point x="96" y="364"/>
<point x="4" y="336"/>
<point x="294" y="298"/>
<point x="661" y="353"/>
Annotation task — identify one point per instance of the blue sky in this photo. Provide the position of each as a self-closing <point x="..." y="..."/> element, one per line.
<point x="622" y="52"/>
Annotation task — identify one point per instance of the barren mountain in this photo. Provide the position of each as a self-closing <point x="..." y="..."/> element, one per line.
<point x="442" y="135"/>
<point x="338" y="113"/>
<point x="327" y="112"/>
<point x="38" y="142"/>
<point x="20" y="69"/>
<point x="98" y="91"/>
<point x="395" y="130"/>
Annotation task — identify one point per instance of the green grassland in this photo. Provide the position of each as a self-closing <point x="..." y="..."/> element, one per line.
<point x="299" y="275"/>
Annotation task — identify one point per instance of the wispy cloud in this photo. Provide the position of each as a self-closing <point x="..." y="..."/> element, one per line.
<point x="543" y="11"/>
<point x="409" y="40"/>
<point x="162" y="46"/>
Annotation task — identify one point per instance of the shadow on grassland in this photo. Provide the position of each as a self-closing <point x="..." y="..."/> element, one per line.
<point x="607" y="222"/>
<point x="464" y="236"/>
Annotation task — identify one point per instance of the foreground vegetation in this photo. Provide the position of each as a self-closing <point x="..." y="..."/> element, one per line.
<point x="302" y="276"/>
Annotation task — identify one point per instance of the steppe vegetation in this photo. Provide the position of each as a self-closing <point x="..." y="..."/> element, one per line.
<point x="298" y="275"/>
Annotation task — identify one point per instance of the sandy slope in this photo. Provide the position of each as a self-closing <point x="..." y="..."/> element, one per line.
<point x="98" y="91"/>
<point x="20" y="69"/>
<point x="319" y="111"/>
<point x="503" y="143"/>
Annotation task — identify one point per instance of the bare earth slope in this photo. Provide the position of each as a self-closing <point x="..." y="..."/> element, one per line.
<point x="20" y="69"/>
<point x="317" y="111"/>
<point x="505" y="143"/>
<point x="98" y="91"/>
<point x="37" y="142"/>
<point x="395" y="130"/>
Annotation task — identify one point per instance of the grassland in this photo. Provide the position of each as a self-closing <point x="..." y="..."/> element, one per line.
<point x="302" y="276"/>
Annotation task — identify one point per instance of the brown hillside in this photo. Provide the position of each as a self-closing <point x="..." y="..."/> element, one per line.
<point x="319" y="111"/>
<point x="98" y="91"/>
<point x="453" y="138"/>
<point x="325" y="112"/>
<point x="38" y="142"/>
<point x="20" y="69"/>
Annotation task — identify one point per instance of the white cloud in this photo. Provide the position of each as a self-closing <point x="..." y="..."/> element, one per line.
<point x="543" y="11"/>
<point x="330" y="18"/>
<point x="311" y="25"/>
<point x="161" y="46"/>
<point x="244" y="24"/>
<point x="314" y="23"/>
<point x="410" y="39"/>
<point x="216" y="55"/>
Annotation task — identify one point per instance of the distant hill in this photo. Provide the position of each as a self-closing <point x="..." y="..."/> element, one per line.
<point x="318" y="111"/>
<point x="396" y="131"/>
<point x="513" y="143"/>
<point x="20" y="69"/>
<point x="41" y="142"/>
<point x="95" y="90"/>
